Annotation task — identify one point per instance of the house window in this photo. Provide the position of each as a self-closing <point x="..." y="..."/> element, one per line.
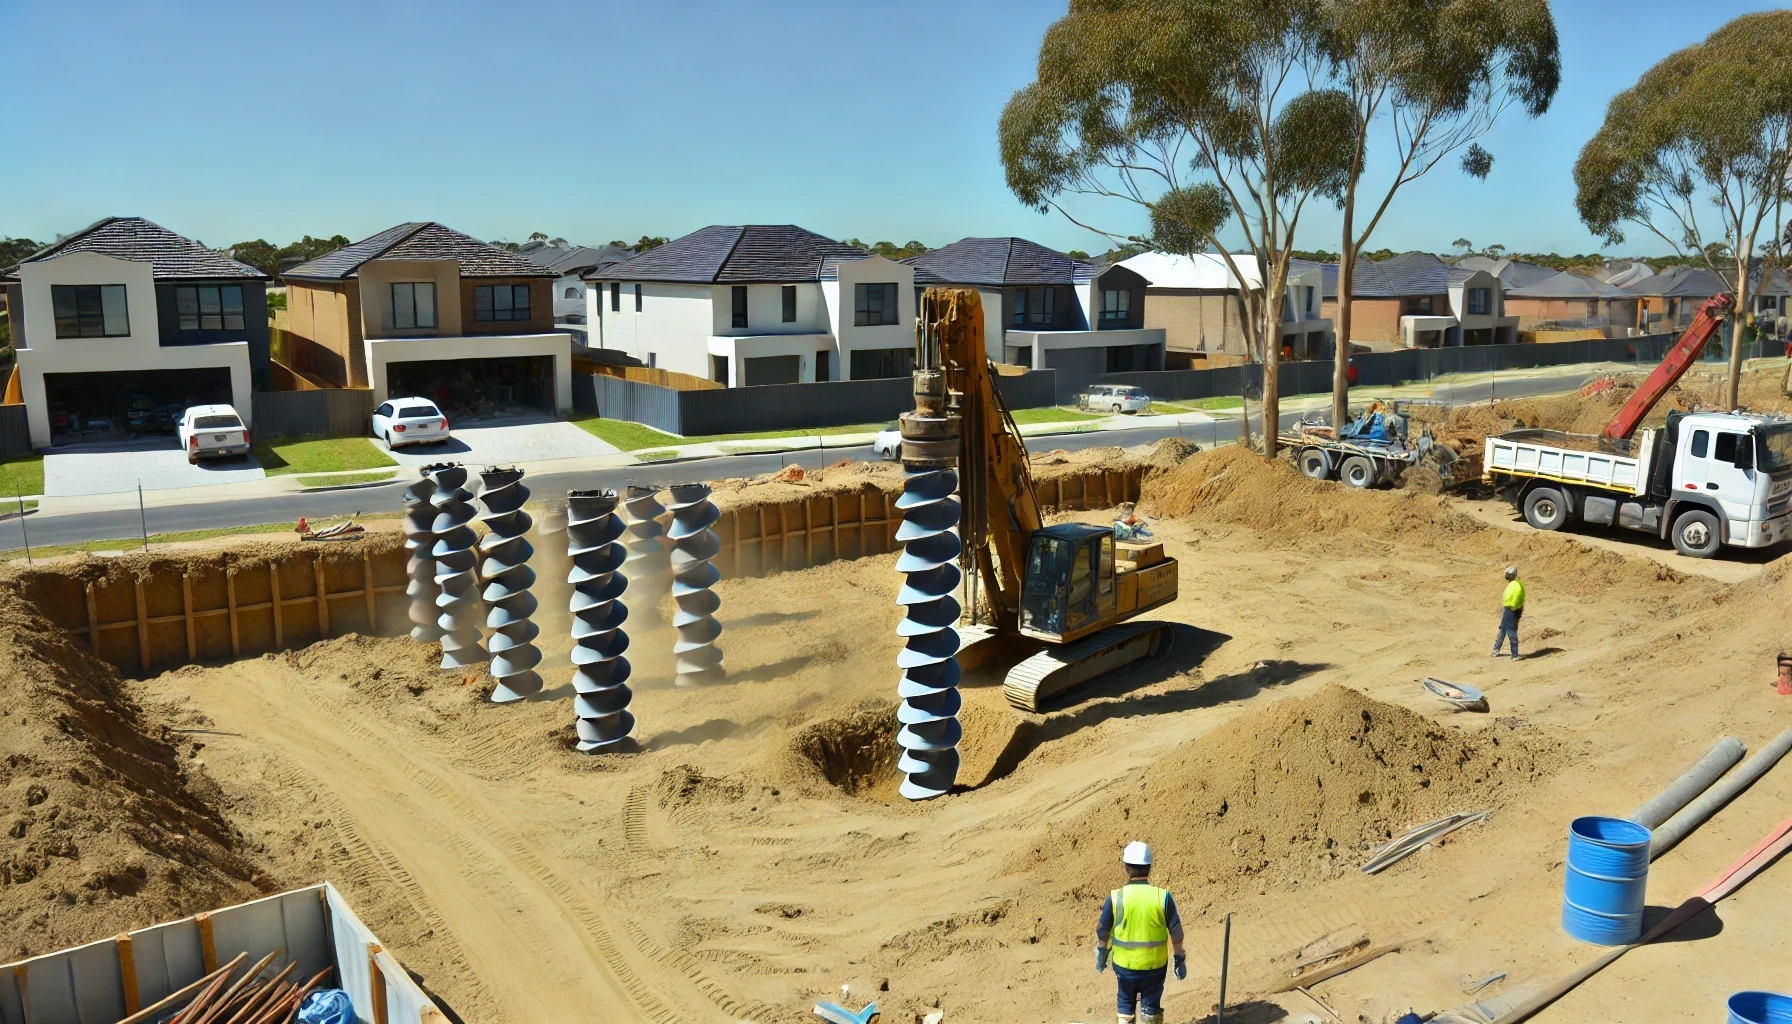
<point x="492" y="302"/>
<point x="823" y="371"/>
<point x="414" y="305"/>
<point x="210" y="307"/>
<point x="637" y="298"/>
<point x="1477" y="301"/>
<point x="90" y="310"/>
<point x="1309" y="304"/>
<point x="1592" y="308"/>
<point x="718" y="369"/>
<point x="1418" y="305"/>
<point x="615" y="296"/>
<point x="1034" y="305"/>
<point x="873" y="305"/>
<point x="1116" y="305"/>
<point x="740" y="305"/>
<point x="789" y="303"/>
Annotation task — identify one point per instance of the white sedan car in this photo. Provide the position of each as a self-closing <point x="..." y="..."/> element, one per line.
<point x="404" y="421"/>
<point x="212" y="431"/>
<point x="889" y="442"/>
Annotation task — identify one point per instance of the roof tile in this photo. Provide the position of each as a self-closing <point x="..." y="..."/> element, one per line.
<point x="420" y="240"/>
<point x="997" y="261"/>
<point x="723" y="253"/>
<point x="172" y="256"/>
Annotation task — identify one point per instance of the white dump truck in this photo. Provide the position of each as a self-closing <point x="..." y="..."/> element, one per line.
<point x="1705" y="480"/>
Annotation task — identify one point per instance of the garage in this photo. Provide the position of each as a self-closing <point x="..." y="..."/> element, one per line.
<point x="771" y="370"/>
<point x="109" y="406"/>
<point x="477" y="388"/>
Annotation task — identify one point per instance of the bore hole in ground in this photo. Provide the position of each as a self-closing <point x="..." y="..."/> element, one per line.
<point x="856" y="752"/>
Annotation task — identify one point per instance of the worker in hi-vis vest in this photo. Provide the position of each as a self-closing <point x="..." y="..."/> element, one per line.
<point x="1140" y="922"/>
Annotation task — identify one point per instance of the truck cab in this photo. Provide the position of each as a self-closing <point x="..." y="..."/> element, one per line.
<point x="1738" y="468"/>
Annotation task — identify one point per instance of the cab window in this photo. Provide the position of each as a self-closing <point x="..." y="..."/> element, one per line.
<point x="1735" y="449"/>
<point x="1080" y="585"/>
<point x="1701" y="443"/>
<point x="385" y="410"/>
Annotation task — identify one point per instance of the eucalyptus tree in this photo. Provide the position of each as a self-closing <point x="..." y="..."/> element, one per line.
<point x="1697" y="153"/>
<point x="1443" y="71"/>
<point x="1200" y="113"/>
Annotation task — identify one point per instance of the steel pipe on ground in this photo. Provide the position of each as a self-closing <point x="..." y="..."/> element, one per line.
<point x="1718" y="760"/>
<point x="1694" y="814"/>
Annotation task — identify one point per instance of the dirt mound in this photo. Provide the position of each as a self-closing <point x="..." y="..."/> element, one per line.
<point x="1301" y="790"/>
<point x="1236" y="485"/>
<point x="110" y="822"/>
<point x="1171" y="452"/>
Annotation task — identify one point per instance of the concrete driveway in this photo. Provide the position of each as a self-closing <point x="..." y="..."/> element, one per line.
<point x="157" y="465"/>
<point x="505" y="444"/>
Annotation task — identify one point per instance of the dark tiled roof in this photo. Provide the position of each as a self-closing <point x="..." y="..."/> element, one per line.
<point x="578" y="258"/>
<point x="997" y="261"/>
<point x="732" y="254"/>
<point x="424" y="240"/>
<point x="170" y="256"/>
<point x="1410" y="273"/>
<point x="1568" y="286"/>
<point x="1680" y="282"/>
<point x="1328" y="276"/>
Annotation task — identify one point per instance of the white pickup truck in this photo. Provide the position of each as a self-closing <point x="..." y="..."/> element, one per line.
<point x="1704" y="481"/>
<point x="212" y="431"/>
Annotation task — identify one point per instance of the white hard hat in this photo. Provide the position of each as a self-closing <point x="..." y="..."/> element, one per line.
<point x="1511" y="572"/>
<point x="1136" y="853"/>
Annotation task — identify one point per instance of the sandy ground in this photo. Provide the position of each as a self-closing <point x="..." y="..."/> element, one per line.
<point x="751" y="859"/>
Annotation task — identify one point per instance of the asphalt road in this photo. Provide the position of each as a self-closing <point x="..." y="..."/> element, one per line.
<point x="287" y="508"/>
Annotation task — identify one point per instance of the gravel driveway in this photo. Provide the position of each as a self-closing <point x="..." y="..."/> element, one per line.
<point x="519" y="442"/>
<point x="104" y="470"/>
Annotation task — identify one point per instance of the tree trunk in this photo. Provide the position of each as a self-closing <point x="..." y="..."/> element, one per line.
<point x="1738" y="323"/>
<point x="1274" y="283"/>
<point x="1341" y="329"/>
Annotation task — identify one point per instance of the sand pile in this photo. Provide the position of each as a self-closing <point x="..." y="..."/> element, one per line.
<point x="1236" y="485"/>
<point x="1298" y="791"/>
<point x="109" y="823"/>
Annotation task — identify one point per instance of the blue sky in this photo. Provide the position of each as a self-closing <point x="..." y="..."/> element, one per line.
<point x="229" y="121"/>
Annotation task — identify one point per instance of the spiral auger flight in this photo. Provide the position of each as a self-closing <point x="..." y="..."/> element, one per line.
<point x="420" y="541"/>
<point x="693" y="577"/>
<point x="504" y="565"/>
<point x="648" y="563"/>
<point x="455" y="560"/>
<point x="928" y="713"/>
<point x="600" y="672"/>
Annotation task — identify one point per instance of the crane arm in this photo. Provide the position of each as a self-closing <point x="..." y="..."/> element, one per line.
<point x="1001" y="510"/>
<point x="1674" y="365"/>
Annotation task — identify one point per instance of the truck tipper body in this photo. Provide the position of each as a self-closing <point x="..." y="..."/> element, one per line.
<point x="1704" y="481"/>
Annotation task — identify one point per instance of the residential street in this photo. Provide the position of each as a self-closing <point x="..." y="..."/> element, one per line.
<point x="1221" y="427"/>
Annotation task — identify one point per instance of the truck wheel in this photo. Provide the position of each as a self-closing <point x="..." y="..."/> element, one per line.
<point x="1697" y="534"/>
<point x="1314" y="463"/>
<point x="1357" y="471"/>
<point x="1545" y="509"/>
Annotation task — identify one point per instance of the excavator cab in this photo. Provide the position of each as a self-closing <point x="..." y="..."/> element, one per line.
<point x="1068" y="586"/>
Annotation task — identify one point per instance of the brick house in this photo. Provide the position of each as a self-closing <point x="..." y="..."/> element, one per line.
<point x="421" y="309"/>
<point x="1568" y="301"/>
<point x="1415" y="300"/>
<point x="1195" y="300"/>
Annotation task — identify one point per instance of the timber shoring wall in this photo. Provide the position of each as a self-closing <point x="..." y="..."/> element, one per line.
<point x="152" y="613"/>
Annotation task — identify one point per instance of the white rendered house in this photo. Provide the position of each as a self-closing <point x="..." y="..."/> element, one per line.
<point x="758" y="304"/>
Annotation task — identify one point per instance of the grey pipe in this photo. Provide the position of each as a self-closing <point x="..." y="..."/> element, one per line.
<point x="1694" y="814"/>
<point x="1720" y="759"/>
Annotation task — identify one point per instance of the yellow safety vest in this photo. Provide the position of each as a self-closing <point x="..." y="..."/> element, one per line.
<point x="1141" y="936"/>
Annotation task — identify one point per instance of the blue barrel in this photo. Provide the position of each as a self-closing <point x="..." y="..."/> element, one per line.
<point x="1760" y="1008"/>
<point x="1608" y="870"/>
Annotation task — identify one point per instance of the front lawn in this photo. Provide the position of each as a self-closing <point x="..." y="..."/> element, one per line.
<point x="626" y="436"/>
<point x="314" y="454"/>
<point x="21" y="475"/>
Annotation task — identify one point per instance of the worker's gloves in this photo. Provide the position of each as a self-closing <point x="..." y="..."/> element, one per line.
<point x="1181" y="966"/>
<point x="1101" y="959"/>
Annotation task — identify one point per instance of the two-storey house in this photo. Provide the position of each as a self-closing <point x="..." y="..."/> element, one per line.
<point x="1197" y="301"/>
<point x="1415" y="300"/>
<point x="755" y="304"/>
<point x="1043" y="309"/>
<point x="120" y="326"/>
<point x="570" y="263"/>
<point x="421" y="309"/>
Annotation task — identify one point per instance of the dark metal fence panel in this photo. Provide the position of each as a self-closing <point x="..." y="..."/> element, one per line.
<point x="794" y="406"/>
<point x="639" y="402"/>
<point x="15" y="432"/>
<point x="584" y="393"/>
<point x="332" y="412"/>
<point x="1036" y="389"/>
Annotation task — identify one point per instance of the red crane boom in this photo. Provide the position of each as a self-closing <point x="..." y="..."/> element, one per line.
<point x="1673" y="366"/>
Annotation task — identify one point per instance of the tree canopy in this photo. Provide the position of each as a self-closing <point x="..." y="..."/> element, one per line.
<point x="12" y="250"/>
<point x="271" y="259"/>
<point x="1698" y="153"/>
<point x="1202" y="113"/>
